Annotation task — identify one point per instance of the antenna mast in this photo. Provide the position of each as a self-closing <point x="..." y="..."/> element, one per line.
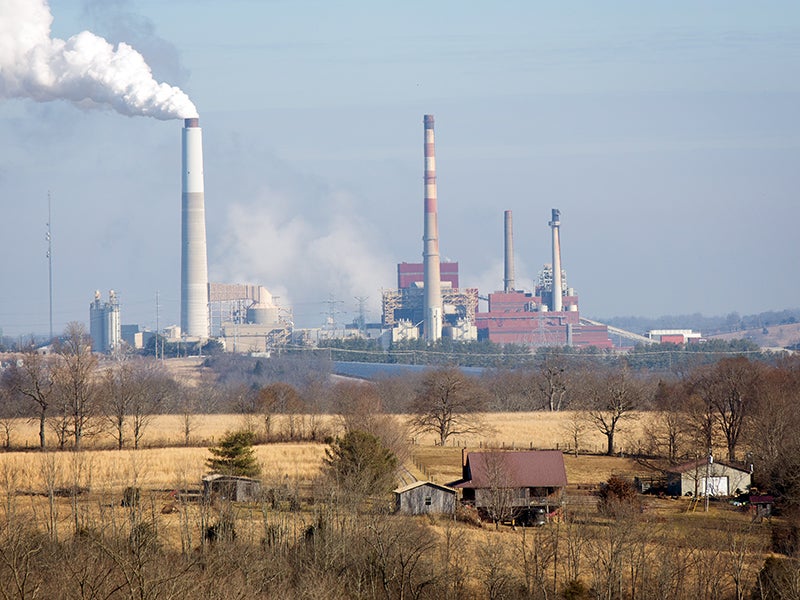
<point x="49" y="239"/>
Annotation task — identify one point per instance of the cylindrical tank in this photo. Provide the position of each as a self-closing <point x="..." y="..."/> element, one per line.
<point x="262" y="314"/>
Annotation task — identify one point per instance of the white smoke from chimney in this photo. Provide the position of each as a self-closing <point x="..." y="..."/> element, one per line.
<point x="85" y="69"/>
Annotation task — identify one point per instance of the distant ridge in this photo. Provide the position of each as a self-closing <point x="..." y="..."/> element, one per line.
<point x="732" y="323"/>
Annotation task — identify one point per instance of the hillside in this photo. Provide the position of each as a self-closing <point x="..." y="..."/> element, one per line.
<point x="773" y="336"/>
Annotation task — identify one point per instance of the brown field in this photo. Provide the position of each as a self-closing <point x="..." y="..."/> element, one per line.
<point x="163" y="462"/>
<point x="518" y="430"/>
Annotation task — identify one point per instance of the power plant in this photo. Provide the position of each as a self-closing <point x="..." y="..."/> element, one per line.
<point x="429" y="295"/>
<point x="194" y="262"/>
<point x="428" y="302"/>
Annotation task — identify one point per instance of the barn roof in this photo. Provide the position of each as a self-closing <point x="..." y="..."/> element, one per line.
<point x="417" y="484"/>
<point x="694" y="464"/>
<point x="532" y="468"/>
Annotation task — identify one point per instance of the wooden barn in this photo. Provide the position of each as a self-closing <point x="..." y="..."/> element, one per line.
<point x="715" y="478"/>
<point x="425" y="497"/>
<point x="228" y="487"/>
<point x="530" y="484"/>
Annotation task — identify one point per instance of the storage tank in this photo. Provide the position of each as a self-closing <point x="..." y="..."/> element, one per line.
<point x="262" y="314"/>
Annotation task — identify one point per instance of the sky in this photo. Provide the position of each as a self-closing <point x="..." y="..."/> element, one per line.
<point x="667" y="133"/>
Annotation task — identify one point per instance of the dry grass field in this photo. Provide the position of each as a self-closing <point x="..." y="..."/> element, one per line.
<point x="164" y="463"/>
<point x="520" y="430"/>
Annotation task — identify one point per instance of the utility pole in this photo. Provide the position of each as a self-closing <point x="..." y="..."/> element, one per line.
<point x="709" y="460"/>
<point x="155" y="345"/>
<point x="49" y="238"/>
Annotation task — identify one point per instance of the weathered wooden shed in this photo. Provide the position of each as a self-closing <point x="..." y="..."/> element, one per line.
<point x="715" y="478"/>
<point x="425" y="497"/>
<point x="228" y="487"/>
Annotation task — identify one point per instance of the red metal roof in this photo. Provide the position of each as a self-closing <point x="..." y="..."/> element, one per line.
<point x="532" y="468"/>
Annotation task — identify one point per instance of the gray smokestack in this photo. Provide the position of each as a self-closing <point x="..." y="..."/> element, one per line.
<point x="194" y="262"/>
<point x="432" y="303"/>
<point x="555" y="224"/>
<point x="508" y="275"/>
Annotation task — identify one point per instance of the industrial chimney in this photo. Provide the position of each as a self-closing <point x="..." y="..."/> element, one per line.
<point x="194" y="263"/>
<point x="555" y="224"/>
<point x="432" y="302"/>
<point x="508" y="275"/>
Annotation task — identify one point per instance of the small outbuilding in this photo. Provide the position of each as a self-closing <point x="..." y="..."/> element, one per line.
<point x="425" y="498"/>
<point x="229" y="487"/>
<point x="713" y="477"/>
<point x="761" y="507"/>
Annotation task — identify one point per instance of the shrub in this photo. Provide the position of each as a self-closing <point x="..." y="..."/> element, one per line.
<point x="618" y="497"/>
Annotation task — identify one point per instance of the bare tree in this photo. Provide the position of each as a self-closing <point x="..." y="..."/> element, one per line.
<point x="669" y="427"/>
<point x="32" y="377"/>
<point x="447" y="403"/>
<point x="730" y="388"/>
<point x="133" y="392"/>
<point x="498" y="498"/>
<point x="274" y="398"/>
<point x="494" y="569"/>
<point x="574" y="428"/>
<point x="359" y="408"/>
<point x="610" y="398"/>
<point x="552" y="381"/>
<point x="511" y="390"/>
<point x="75" y="380"/>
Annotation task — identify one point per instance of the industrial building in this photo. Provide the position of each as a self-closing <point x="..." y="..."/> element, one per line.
<point x="247" y="318"/>
<point x="548" y="316"/>
<point x="403" y="308"/>
<point x="674" y="336"/>
<point x="104" y="323"/>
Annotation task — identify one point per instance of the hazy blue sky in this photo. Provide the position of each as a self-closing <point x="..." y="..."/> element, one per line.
<point x="668" y="133"/>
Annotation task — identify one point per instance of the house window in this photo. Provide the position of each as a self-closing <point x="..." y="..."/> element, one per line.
<point x="427" y="500"/>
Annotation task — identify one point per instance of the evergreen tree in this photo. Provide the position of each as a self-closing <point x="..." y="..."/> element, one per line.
<point x="360" y="463"/>
<point x="234" y="455"/>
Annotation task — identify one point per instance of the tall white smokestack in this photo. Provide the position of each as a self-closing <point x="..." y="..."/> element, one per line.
<point x="432" y="302"/>
<point x="508" y="276"/>
<point x="194" y="263"/>
<point x="555" y="224"/>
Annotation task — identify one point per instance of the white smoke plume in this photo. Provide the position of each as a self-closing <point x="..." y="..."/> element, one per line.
<point x="304" y="258"/>
<point x="85" y="69"/>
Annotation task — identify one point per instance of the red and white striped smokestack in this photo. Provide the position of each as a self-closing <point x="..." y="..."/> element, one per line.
<point x="508" y="275"/>
<point x="432" y="299"/>
<point x="555" y="224"/>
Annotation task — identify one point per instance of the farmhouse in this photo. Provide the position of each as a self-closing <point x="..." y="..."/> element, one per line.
<point x="527" y="484"/>
<point x="425" y="497"/>
<point x="228" y="487"/>
<point x="716" y="478"/>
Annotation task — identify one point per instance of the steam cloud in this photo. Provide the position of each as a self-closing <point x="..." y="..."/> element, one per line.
<point x="85" y="69"/>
